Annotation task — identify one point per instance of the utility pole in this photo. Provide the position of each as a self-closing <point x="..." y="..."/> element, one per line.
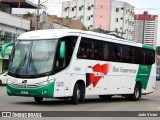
<point x="37" y="17"/>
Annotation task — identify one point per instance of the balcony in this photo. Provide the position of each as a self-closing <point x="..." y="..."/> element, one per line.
<point x="10" y="20"/>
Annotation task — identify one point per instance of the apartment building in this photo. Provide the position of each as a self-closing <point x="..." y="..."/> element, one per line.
<point x="113" y="16"/>
<point x="145" y="28"/>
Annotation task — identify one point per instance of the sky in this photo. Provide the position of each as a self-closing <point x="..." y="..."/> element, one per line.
<point x="54" y="7"/>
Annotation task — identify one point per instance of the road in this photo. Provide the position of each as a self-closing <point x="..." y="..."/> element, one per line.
<point x="149" y="102"/>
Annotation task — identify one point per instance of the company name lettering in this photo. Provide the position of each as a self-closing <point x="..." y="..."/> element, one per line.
<point x="123" y="70"/>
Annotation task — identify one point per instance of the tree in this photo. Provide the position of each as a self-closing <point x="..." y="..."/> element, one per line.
<point x="28" y="15"/>
<point x="158" y="50"/>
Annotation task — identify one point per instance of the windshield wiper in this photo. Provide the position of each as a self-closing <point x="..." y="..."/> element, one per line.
<point x="21" y="63"/>
<point x="31" y="61"/>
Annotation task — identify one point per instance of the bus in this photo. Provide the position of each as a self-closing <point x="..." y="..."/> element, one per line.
<point x="73" y="64"/>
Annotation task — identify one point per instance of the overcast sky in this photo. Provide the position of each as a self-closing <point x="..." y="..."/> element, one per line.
<point x="54" y="7"/>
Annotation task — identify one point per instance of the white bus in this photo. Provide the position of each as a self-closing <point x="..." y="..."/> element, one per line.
<point x="66" y="63"/>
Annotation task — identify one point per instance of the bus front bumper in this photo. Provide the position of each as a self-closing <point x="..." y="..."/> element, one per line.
<point x="46" y="91"/>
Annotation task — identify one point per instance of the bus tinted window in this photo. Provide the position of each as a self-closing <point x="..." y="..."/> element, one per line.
<point x="98" y="50"/>
<point x="114" y="52"/>
<point x="106" y="51"/>
<point x="138" y="55"/>
<point x="85" y="50"/>
<point x="149" y="57"/>
<point x="127" y="54"/>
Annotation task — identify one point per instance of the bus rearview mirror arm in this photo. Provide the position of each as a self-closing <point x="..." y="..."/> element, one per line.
<point x="4" y="47"/>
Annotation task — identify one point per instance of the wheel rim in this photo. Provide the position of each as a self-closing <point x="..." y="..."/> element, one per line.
<point x="78" y="94"/>
<point x="136" y="92"/>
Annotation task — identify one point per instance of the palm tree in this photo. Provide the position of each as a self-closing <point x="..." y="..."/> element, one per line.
<point x="28" y="15"/>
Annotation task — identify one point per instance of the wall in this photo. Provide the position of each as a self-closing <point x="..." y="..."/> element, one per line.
<point x="102" y="14"/>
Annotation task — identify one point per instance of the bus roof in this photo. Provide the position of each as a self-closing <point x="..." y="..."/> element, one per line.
<point x="57" y="33"/>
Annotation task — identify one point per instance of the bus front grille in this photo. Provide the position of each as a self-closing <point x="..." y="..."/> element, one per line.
<point x="26" y="85"/>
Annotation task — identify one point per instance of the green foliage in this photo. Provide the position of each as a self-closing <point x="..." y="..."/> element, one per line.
<point x="158" y="50"/>
<point x="28" y="15"/>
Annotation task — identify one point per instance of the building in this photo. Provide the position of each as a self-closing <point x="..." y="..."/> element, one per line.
<point x="145" y="28"/>
<point x="11" y="26"/>
<point x="54" y="22"/>
<point x="114" y="16"/>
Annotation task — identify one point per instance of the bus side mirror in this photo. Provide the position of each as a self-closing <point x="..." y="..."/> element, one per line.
<point x="62" y="49"/>
<point x="4" y="47"/>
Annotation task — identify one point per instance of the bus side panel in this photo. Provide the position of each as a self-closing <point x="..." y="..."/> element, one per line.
<point x="151" y="86"/>
<point x="59" y="84"/>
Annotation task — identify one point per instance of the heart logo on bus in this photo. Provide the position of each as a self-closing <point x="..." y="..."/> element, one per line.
<point x="98" y="72"/>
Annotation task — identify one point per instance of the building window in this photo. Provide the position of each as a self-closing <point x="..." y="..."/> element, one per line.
<point x="116" y="30"/>
<point x="80" y="8"/>
<point x="89" y="8"/>
<point x="117" y="9"/>
<point x="72" y="9"/>
<point x="91" y="26"/>
<point x="116" y="19"/>
<point x="100" y="16"/>
<point x="65" y="9"/>
<point x="88" y="17"/>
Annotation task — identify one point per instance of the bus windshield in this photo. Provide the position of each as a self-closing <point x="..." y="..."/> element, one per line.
<point x="32" y="58"/>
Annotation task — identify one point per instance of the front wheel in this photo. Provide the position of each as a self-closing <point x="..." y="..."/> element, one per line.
<point x="38" y="99"/>
<point x="78" y="94"/>
<point x="137" y="93"/>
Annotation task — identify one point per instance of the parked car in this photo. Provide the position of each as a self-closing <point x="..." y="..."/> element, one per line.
<point x="3" y="78"/>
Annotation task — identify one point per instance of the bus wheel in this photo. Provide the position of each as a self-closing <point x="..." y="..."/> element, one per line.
<point x="38" y="99"/>
<point x="137" y="93"/>
<point x="105" y="97"/>
<point x="76" y="94"/>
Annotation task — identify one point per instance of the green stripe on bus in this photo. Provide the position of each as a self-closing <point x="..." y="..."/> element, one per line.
<point x="148" y="47"/>
<point x="143" y="75"/>
<point x="46" y="91"/>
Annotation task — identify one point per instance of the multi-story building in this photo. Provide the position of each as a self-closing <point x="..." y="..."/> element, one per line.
<point x="145" y="28"/>
<point x="110" y="15"/>
<point x="11" y="26"/>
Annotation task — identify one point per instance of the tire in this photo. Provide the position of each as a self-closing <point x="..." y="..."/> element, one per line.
<point x="38" y="99"/>
<point x="78" y="94"/>
<point x="137" y="93"/>
<point x="105" y="97"/>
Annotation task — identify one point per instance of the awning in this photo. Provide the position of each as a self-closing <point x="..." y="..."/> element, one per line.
<point x="19" y="3"/>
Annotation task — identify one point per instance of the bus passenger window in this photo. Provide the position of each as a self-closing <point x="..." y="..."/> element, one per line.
<point x="106" y="52"/>
<point x="98" y="50"/>
<point x="138" y="55"/>
<point x="85" y="50"/>
<point x="127" y="54"/>
<point x="114" y="52"/>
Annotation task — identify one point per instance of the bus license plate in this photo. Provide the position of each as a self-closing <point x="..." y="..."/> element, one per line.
<point x="24" y="92"/>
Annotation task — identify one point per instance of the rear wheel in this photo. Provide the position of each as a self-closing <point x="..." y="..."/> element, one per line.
<point x="38" y="99"/>
<point x="137" y="93"/>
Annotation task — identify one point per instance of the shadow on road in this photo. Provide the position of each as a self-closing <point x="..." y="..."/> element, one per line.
<point x="57" y="102"/>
